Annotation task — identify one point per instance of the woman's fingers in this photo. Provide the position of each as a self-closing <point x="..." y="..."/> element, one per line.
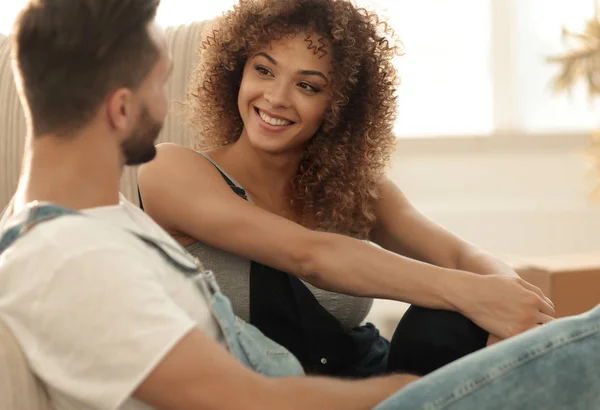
<point x="546" y="307"/>
<point x="492" y="340"/>
<point x="543" y="318"/>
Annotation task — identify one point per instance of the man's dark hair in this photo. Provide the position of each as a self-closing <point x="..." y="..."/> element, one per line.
<point x="71" y="53"/>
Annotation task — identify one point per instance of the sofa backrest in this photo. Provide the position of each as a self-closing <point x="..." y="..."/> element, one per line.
<point x="12" y="127"/>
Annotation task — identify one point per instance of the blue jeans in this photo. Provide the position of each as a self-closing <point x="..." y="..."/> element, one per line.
<point x="553" y="367"/>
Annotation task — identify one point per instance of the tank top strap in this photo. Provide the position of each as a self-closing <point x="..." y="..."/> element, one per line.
<point x="236" y="188"/>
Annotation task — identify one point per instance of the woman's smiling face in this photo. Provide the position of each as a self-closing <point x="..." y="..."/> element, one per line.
<point x="284" y="93"/>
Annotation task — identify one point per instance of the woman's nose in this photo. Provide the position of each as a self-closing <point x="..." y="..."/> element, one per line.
<point x="277" y="94"/>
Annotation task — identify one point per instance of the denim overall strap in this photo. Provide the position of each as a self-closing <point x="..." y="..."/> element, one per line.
<point x="205" y="281"/>
<point x="43" y="213"/>
<point x="185" y="269"/>
<point x="223" y="314"/>
<point x="36" y="214"/>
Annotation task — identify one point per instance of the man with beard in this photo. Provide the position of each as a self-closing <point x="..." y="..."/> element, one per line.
<point x="111" y="313"/>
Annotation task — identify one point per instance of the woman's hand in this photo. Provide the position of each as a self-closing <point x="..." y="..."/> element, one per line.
<point x="505" y="306"/>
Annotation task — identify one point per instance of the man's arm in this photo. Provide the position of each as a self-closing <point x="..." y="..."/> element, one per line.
<point x="199" y="374"/>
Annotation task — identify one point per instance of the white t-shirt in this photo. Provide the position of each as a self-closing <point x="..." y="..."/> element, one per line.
<point x="93" y="307"/>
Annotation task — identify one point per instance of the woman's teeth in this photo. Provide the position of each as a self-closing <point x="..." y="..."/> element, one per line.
<point x="273" y="121"/>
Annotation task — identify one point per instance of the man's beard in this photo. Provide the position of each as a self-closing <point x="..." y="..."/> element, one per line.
<point x="139" y="147"/>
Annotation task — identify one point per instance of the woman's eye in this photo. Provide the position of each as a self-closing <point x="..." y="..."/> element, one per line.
<point x="262" y="70"/>
<point x="309" y="88"/>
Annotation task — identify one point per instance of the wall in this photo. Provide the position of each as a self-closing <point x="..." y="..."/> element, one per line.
<point x="524" y="196"/>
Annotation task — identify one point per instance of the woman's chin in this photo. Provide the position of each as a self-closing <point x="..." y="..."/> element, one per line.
<point x="276" y="144"/>
<point x="269" y="145"/>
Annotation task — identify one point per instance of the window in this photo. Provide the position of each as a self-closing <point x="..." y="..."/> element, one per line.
<point x="8" y="12"/>
<point x="537" y="31"/>
<point x="474" y="67"/>
<point x="446" y="79"/>
<point x="471" y="67"/>
<point x="175" y="12"/>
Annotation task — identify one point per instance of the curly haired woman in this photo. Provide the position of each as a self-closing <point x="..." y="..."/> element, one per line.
<point x="294" y="102"/>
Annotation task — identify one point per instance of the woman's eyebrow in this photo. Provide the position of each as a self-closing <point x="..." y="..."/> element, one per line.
<point x="265" y="55"/>
<point x="313" y="72"/>
<point x="301" y="72"/>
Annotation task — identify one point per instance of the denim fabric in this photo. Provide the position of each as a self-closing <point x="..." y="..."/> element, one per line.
<point x="553" y="367"/>
<point x="244" y="341"/>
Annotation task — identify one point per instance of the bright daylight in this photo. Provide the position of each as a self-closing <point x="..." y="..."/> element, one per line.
<point x="209" y="196"/>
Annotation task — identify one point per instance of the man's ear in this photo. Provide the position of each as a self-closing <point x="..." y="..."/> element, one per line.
<point x="120" y="112"/>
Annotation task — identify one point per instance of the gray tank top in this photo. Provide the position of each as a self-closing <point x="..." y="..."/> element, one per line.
<point x="233" y="275"/>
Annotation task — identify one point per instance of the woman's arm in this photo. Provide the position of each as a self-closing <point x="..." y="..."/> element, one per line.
<point x="184" y="193"/>
<point x="402" y="229"/>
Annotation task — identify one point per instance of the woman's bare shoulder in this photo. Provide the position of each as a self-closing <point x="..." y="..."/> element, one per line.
<point x="176" y="159"/>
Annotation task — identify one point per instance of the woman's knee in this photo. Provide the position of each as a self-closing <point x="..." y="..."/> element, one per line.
<point x="427" y="339"/>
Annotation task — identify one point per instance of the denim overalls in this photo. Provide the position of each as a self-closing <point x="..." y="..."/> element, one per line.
<point x="243" y="340"/>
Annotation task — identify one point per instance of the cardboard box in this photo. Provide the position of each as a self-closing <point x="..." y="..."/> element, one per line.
<point x="572" y="282"/>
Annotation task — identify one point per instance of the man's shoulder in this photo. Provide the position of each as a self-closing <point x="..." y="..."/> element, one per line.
<point x="94" y="231"/>
<point x="67" y="235"/>
<point x="78" y="251"/>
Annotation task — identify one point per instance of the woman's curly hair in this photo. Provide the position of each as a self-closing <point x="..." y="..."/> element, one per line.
<point x="338" y="180"/>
